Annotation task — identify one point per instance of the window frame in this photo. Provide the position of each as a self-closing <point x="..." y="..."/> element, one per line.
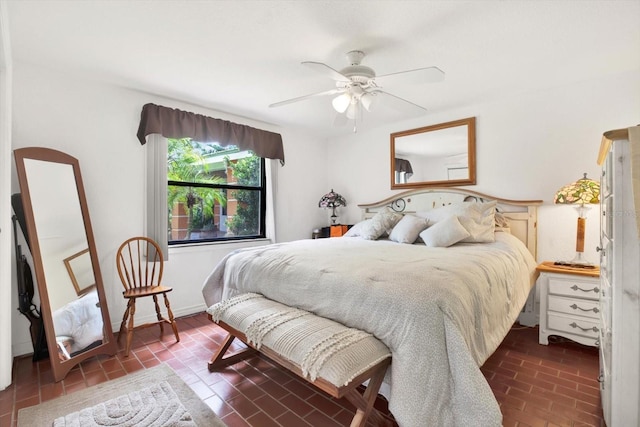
<point x="262" y="189"/>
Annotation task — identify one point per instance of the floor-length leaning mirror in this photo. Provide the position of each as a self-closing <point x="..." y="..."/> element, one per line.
<point x="73" y="303"/>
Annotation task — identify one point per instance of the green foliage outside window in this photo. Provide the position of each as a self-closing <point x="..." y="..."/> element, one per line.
<point x="247" y="218"/>
<point x="186" y="163"/>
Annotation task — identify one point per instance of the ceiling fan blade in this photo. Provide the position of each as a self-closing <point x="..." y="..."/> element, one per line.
<point x="398" y="103"/>
<point x="302" y="98"/>
<point x="325" y="70"/>
<point x="417" y="76"/>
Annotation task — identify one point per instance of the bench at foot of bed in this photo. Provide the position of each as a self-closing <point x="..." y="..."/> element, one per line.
<point x="329" y="355"/>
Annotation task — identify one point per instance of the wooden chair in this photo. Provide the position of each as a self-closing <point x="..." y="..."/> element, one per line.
<point x="140" y="266"/>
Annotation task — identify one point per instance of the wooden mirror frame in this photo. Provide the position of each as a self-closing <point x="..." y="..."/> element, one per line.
<point x="471" y="154"/>
<point x="108" y="346"/>
<point x="71" y="265"/>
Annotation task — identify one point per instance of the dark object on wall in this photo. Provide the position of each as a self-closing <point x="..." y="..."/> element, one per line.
<point x="25" y="286"/>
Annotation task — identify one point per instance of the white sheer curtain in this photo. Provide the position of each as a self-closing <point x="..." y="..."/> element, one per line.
<point x="271" y="170"/>
<point x="156" y="211"/>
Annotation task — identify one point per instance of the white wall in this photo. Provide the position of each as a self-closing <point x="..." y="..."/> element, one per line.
<point x="6" y="251"/>
<point x="97" y="123"/>
<point x="528" y="146"/>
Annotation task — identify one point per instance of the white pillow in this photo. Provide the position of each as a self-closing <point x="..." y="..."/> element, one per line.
<point x="356" y="229"/>
<point x="477" y="218"/>
<point x="444" y="233"/>
<point x="382" y="222"/>
<point x="407" y="229"/>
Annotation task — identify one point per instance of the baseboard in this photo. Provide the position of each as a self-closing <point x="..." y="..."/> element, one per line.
<point x="179" y="312"/>
<point x="22" y="349"/>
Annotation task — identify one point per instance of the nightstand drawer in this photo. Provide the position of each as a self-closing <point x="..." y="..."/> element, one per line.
<point x="574" y="306"/>
<point x="581" y="288"/>
<point x="572" y="325"/>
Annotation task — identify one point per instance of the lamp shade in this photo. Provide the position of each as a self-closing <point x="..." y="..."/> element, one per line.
<point x="341" y="103"/>
<point x="583" y="191"/>
<point x="332" y="200"/>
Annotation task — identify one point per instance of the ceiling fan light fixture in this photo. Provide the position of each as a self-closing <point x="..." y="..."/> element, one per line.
<point x="352" y="110"/>
<point x="368" y="100"/>
<point x="341" y="103"/>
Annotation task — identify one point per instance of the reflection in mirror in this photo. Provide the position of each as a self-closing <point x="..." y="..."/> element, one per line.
<point x="74" y="307"/>
<point x="80" y="271"/>
<point x="438" y="155"/>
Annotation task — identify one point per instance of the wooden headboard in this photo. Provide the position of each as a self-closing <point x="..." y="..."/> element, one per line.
<point x="521" y="214"/>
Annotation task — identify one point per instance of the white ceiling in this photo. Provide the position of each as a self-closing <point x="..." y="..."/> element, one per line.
<point x="241" y="56"/>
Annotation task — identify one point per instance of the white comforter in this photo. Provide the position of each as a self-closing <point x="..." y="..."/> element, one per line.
<point x="441" y="311"/>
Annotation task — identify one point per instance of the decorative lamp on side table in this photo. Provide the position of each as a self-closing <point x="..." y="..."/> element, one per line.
<point x="569" y="304"/>
<point x="581" y="194"/>
<point x="332" y="200"/>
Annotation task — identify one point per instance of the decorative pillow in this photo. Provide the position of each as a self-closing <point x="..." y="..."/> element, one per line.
<point x="382" y="222"/>
<point x="407" y="229"/>
<point x="477" y="218"/>
<point x="501" y="220"/>
<point x="444" y="233"/>
<point x="356" y="230"/>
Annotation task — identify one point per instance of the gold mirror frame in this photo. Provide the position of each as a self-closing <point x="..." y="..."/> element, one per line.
<point x="61" y="361"/>
<point x="454" y="140"/>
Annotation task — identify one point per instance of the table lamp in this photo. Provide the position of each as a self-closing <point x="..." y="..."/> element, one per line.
<point x="583" y="192"/>
<point x="332" y="200"/>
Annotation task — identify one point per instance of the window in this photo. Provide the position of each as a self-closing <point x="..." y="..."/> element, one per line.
<point x="214" y="192"/>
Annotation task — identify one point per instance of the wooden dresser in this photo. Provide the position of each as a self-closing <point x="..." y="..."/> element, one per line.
<point x="620" y="284"/>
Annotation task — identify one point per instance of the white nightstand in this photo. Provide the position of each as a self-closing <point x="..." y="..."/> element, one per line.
<point x="569" y="304"/>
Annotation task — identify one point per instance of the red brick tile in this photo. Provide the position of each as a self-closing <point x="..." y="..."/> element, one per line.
<point x="271" y="406"/>
<point x="560" y="366"/>
<point x="96" y="377"/>
<point x="224" y="390"/>
<point x="554" y="416"/>
<point x="511" y="401"/>
<point x="5" y="420"/>
<point x="578" y="416"/>
<point x="263" y="420"/>
<point x="554" y="397"/>
<point x="218" y="406"/>
<point x="274" y="389"/>
<point x="243" y="406"/>
<point x="296" y="405"/>
<point x="578" y="395"/>
<point x="293" y="420"/>
<point x="500" y="379"/>
<point x="557" y="380"/>
<point x="592" y="390"/>
<point x="581" y="379"/>
<point x="235" y="420"/>
<point x="530" y="398"/>
<point x="51" y="391"/>
<point x="540" y="368"/>
<point x="317" y="418"/>
<point x="324" y="405"/>
<point x="535" y="385"/>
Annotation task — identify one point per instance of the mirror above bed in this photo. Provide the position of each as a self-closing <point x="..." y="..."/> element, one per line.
<point x="438" y="155"/>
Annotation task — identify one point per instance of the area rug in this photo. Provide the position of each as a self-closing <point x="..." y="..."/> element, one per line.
<point x="152" y="397"/>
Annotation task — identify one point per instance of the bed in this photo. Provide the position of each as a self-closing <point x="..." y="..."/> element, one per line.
<point x="442" y="308"/>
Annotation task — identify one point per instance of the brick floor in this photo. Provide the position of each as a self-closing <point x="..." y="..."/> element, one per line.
<point x="535" y="385"/>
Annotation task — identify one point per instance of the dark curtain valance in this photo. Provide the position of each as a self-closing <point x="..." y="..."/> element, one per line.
<point x="173" y="123"/>
<point x="403" y="165"/>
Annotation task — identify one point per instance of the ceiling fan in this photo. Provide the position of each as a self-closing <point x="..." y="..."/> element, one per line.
<point x="358" y="87"/>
